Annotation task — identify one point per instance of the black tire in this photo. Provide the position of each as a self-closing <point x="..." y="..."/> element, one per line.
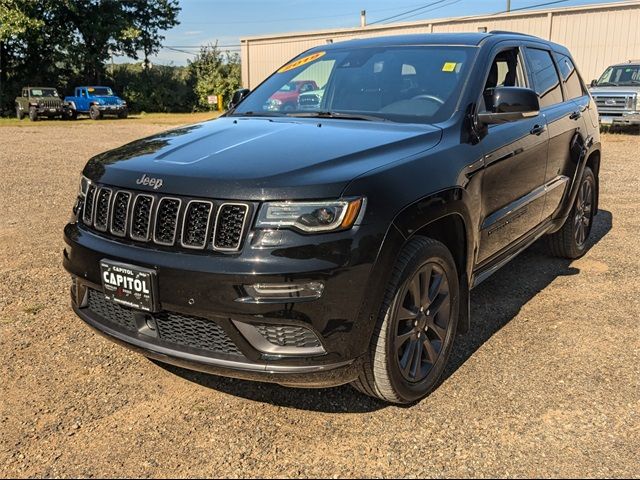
<point x="124" y="113"/>
<point x="19" y="113"/>
<point x="33" y="114"/>
<point x="571" y="240"/>
<point x="71" y="114"/>
<point x="95" y="113"/>
<point x="400" y="367"/>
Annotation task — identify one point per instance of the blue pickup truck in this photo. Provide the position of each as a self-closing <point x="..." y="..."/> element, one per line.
<point x="97" y="102"/>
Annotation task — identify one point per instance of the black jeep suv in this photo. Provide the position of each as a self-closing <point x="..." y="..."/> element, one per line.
<point x="338" y="242"/>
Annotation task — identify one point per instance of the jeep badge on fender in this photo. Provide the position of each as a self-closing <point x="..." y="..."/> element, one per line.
<point x="332" y="235"/>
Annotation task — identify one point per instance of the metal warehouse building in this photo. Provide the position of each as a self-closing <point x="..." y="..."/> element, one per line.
<point x="597" y="35"/>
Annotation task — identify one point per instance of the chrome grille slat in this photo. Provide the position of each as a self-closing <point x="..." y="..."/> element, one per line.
<point x="166" y="222"/>
<point x="87" y="212"/>
<point x="120" y="213"/>
<point x="229" y="226"/>
<point x="195" y="224"/>
<point x="101" y="210"/>
<point x="141" y="214"/>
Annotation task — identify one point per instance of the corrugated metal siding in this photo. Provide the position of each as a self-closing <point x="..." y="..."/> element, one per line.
<point x="597" y="36"/>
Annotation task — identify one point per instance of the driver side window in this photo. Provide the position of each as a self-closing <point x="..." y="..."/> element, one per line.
<point x="505" y="71"/>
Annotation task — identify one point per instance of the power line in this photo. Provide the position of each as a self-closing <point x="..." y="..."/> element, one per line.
<point x="343" y="15"/>
<point x="407" y="12"/>
<point x="430" y="10"/>
<point x="238" y="45"/>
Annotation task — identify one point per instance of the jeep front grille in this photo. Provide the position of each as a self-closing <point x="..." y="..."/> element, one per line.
<point x="168" y="221"/>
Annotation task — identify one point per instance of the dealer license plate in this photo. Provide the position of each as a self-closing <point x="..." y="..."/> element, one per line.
<point x="129" y="285"/>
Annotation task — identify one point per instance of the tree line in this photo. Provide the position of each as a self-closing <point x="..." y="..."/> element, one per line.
<point x="66" y="43"/>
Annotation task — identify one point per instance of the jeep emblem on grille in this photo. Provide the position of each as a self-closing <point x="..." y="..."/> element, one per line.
<point x="156" y="183"/>
<point x="609" y="101"/>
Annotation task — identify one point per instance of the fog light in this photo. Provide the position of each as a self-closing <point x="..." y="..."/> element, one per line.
<point x="274" y="339"/>
<point x="281" y="292"/>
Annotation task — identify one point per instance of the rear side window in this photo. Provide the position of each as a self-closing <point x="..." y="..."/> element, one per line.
<point x="545" y="77"/>
<point x="572" y="82"/>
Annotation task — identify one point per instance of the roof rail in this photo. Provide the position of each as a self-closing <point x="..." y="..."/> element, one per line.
<point x="497" y="32"/>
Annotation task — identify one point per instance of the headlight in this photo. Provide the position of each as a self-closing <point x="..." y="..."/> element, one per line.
<point x="84" y="186"/>
<point x="82" y="194"/>
<point x="273" y="104"/>
<point x="323" y="216"/>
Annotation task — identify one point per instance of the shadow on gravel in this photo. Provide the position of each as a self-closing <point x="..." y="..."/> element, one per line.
<point x="497" y="300"/>
<point x="493" y="305"/>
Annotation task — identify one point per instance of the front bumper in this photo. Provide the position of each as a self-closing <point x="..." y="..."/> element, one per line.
<point x="208" y="286"/>
<point x="624" y="119"/>
<point x="51" y="111"/>
<point x="112" y="108"/>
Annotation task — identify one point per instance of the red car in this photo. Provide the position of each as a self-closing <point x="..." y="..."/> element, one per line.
<point x="286" y="99"/>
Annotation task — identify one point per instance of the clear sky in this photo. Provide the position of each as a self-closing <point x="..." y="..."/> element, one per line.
<point x="226" y="21"/>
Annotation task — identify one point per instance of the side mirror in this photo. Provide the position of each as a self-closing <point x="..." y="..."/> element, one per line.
<point x="238" y="96"/>
<point x="508" y="104"/>
<point x="594" y="83"/>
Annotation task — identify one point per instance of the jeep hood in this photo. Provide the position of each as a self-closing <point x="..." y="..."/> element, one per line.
<point x="261" y="158"/>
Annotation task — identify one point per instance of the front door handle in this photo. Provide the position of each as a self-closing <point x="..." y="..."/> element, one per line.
<point x="538" y="129"/>
<point x="575" y="115"/>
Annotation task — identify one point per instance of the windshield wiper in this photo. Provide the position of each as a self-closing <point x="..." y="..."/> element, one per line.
<point x="345" y="116"/>
<point x="257" y="114"/>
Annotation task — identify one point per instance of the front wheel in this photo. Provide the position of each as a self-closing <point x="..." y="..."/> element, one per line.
<point x="123" y="113"/>
<point x="95" y="113"/>
<point x="571" y="240"/>
<point x="33" y="114"/>
<point x="416" y="326"/>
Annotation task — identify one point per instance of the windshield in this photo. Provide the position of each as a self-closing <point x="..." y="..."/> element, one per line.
<point x="417" y="84"/>
<point x="100" y="91"/>
<point x="620" y="75"/>
<point x="44" y="92"/>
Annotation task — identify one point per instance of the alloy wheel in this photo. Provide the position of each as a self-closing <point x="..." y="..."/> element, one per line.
<point x="584" y="212"/>
<point x="422" y="322"/>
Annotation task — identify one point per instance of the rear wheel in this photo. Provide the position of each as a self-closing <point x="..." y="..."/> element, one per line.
<point x="19" y="113"/>
<point x="571" y="240"/>
<point x="95" y="113"/>
<point x="33" y="114"/>
<point x="416" y="325"/>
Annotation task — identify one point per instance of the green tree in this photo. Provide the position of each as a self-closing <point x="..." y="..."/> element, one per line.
<point x="62" y="42"/>
<point x="216" y="73"/>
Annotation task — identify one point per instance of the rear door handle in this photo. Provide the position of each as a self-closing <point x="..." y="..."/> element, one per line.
<point x="538" y="129"/>
<point x="575" y="115"/>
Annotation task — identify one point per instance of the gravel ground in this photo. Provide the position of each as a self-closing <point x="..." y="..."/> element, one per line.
<point x="546" y="384"/>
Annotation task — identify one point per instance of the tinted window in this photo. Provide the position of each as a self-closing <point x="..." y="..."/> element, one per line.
<point x="401" y="84"/>
<point x="545" y="77"/>
<point x="572" y="82"/>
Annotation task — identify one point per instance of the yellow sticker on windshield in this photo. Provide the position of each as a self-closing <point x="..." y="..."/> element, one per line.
<point x="302" y="61"/>
<point x="449" y="67"/>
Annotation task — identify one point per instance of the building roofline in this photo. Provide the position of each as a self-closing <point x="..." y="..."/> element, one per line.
<point x="392" y="26"/>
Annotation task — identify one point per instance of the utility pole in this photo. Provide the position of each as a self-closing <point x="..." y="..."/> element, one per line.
<point x="508" y="5"/>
